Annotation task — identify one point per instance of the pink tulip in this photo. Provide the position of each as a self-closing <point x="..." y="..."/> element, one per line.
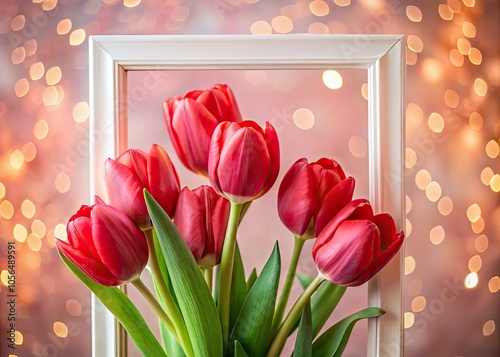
<point x="105" y="244"/>
<point x="201" y="217"/>
<point x="134" y="170"/>
<point x="311" y="194"/>
<point x="244" y="160"/>
<point x="192" y="118"/>
<point x="356" y="244"/>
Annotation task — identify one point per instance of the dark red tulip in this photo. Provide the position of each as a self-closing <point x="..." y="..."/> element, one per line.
<point x="311" y="194"/>
<point x="134" y="170"/>
<point x="356" y="244"/>
<point x="192" y="118"/>
<point x="105" y="244"/>
<point x="201" y="217"/>
<point x="244" y="160"/>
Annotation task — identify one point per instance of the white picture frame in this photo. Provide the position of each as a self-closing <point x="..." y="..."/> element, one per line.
<point x="383" y="56"/>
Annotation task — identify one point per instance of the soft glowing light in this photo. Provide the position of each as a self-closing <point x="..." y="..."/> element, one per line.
<point x="433" y="191"/>
<point x="436" y="122"/>
<point x="303" y="118"/>
<point x="74" y="307"/>
<point x="437" y="235"/>
<point x="22" y="87"/>
<point x="77" y="37"/>
<point x="489" y="327"/>
<point x="480" y="87"/>
<point x="49" y="96"/>
<point x="261" y="28"/>
<point x="463" y="46"/>
<point x="408" y="227"/>
<point x="20" y="233"/>
<point x="6" y="209"/>
<point x="36" y="71"/>
<point x="411" y="57"/>
<point x="319" y="8"/>
<point x="19" y="338"/>
<point x="409" y="319"/>
<point x="2" y="190"/>
<point x="495" y="183"/>
<point x="60" y="232"/>
<point x="423" y="179"/>
<point x="445" y="206"/>
<point x="282" y="24"/>
<point x="473" y="212"/>
<point x="433" y="69"/>
<point x="414" y="13"/>
<point x="454" y="5"/>
<point x="4" y="277"/>
<point x="418" y="304"/>
<point x="364" y="90"/>
<point x="63" y="182"/>
<point x="41" y="129"/>
<point x="38" y="228"/>
<point x="456" y="58"/>
<point x="414" y="113"/>
<point x="471" y="280"/>
<point x="28" y="209"/>
<point x="411" y="158"/>
<point x="445" y="12"/>
<point x="468" y="29"/>
<point x="492" y="149"/>
<point x="30" y="47"/>
<point x="16" y="159"/>
<point x="34" y="242"/>
<point x="475" y="56"/>
<point x="469" y="3"/>
<point x="476" y="121"/>
<point x="29" y="151"/>
<point x="358" y="146"/>
<point x="64" y="26"/>
<point x="81" y="112"/>
<point x="337" y="27"/>
<point x="131" y="3"/>
<point x="48" y="5"/>
<point x="451" y="98"/>
<point x="410" y="265"/>
<point x="342" y="2"/>
<point x="332" y="79"/>
<point x="478" y="226"/>
<point x="494" y="284"/>
<point x="18" y="55"/>
<point x="53" y="75"/>
<point x="486" y="175"/>
<point x="318" y="28"/>
<point x="475" y="263"/>
<point x="17" y="23"/>
<point x="415" y="43"/>
<point x="60" y="329"/>
<point x="408" y="204"/>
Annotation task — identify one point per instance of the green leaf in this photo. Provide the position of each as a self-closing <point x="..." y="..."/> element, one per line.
<point x="303" y="343"/>
<point x="251" y="279"/>
<point x="238" y="288"/>
<point x="304" y="280"/>
<point x="124" y="310"/>
<point x="333" y="341"/>
<point x="253" y="326"/>
<point x="238" y="350"/>
<point x="194" y="298"/>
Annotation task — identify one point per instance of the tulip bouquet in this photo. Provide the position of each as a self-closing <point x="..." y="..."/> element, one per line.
<point x="206" y="305"/>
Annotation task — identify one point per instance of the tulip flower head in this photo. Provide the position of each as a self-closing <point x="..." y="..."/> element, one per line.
<point x="191" y="120"/>
<point x="134" y="170"/>
<point x="244" y="160"/>
<point x="311" y="194"/>
<point x="356" y="244"/>
<point x="201" y="217"/>
<point x="105" y="244"/>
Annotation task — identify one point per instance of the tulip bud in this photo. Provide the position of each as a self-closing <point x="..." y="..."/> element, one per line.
<point x="192" y="118"/>
<point x="244" y="160"/>
<point x="134" y="170"/>
<point x="105" y="244"/>
<point x="201" y="217"/>
<point x="311" y="194"/>
<point x="356" y="244"/>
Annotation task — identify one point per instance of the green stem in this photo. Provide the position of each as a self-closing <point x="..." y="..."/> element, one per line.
<point x="291" y="319"/>
<point x="181" y="334"/>
<point x="226" y="269"/>
<point x="208" y="274"/>
<point x="290" y="276"/>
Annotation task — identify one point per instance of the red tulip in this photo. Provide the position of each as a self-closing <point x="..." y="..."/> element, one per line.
<point x="244" y="160"/>
<point x="311" y="194"/>
<point x="356" y="244"/>
<point x="201" y="217"/>
<point x="192" y="118"/>
<point x="105" y="244"/>
<point x="134" y="170"/>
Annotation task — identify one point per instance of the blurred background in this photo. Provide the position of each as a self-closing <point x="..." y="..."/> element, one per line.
<point x="452" y="263"/>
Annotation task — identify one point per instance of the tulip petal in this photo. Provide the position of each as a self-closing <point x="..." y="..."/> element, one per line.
<point x="334" y="201"/>
<point x="136" y="161"/>
<point x="125" y="192"/>
<point x="214" y="154"/>
<point x="79" y="236"/>
<point x="332" y="165"/>
<point x="163" y="180"/>
<point x="296" y="197"/>
<point x="348" y="253"/>
<point x="387" y="227"/>
<point x="244" y="166"/>
<point x="273" y="147"/>
<point x="220" y="215"/>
